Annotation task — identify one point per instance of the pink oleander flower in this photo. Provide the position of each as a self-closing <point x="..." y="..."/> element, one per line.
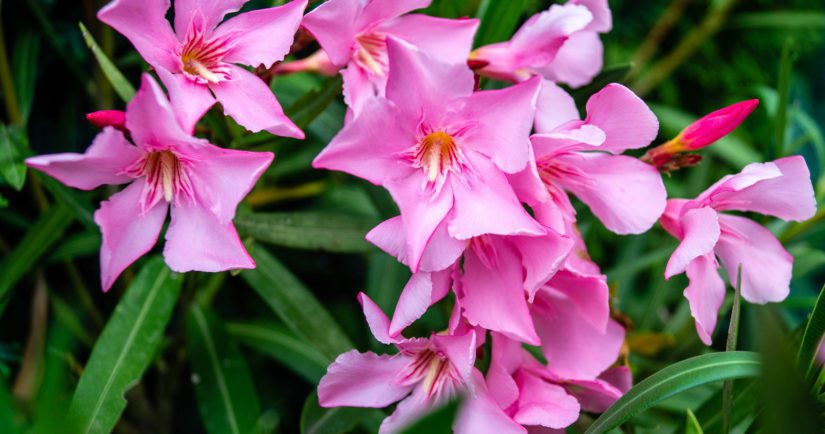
<point x="426" y="373"/>
<point x="198" y="60"/>
<point x="561" y="44"/>
<point x="166" y="168"/>
<point x="443" y="152"/>
<point x="781" y="189"/>
<point x="535" y="396"/>
<point x="353" y="33"/>
<point x="704" y="132"/>
<point x="581" y="157"/>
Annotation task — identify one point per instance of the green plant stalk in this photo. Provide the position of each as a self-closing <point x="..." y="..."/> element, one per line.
<point x="730" y="345"/>
<point x="657" y="34"/>
<point x="7" y="81"/>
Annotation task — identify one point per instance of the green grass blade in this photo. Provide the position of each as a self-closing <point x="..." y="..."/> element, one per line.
<point x="12" y="150"/>
<point x="676" y="378"/>
<point x="124" y="349"/>
<point x="223" y="384"/>
<point x="337" y="420"/>
<point x="499" y="20"/>
<point x="122" y="87"/>
<point x="812" y="336"/>
<point x="693" y="426"/>
<point x="730" y="345"/>
<point x="37" y="241"/>
<point x="310" y="230"/>
<point x="295" y="305"/>
<point x="783" y="88"/>
<point x="439" y="421"/>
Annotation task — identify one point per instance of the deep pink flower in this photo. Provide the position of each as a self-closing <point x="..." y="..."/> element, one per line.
<point x="781" y="189"/>
<point x="442" y="151"/>
<point x="354" y="34"/>
<point x="108" y="118"/>
<point x="581" y="157"/>
<point x="166" y="167"/>
<point x="426" y="373"/>
<point x="197" y="61"/>
<point x="562" y="44"/>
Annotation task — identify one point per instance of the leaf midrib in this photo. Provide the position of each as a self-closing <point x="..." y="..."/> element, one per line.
<point x="213" y="358"/>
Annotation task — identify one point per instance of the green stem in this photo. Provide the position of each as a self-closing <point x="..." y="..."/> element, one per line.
<point x="657" y="34"/>
<point x="7" y="82"/>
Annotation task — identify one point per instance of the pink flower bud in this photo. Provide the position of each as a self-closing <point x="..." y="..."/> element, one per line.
<point x="108" y="118"/>
<point x="715" y="125"/>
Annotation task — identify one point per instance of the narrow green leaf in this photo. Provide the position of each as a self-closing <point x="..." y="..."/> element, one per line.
<point x="336" y="420"/>
<point x="82" y="244"/>
<point x="24" y="69"/>
<point x="730" y="345"/>
<point x="744" y="405"/>
<point x="307" y="108"/>
<point x="13" y="144"/>
<point x="439" y="421"/>
<point x="223" y="384"/>
<point x="811" y="338"/>
<point x="7" y="423"/>
<point x="781" y="20"/>
<point x="295" y="305"/>
<point x="693" y="426"/>
<point x="282" y="345"/>
<point x="309" y="230"/>
<point x="76" y="201"/>
<point x="676" y="378"/>
<point x="122" y="87"/>
<point x="37" y="241"/>
<point x="124" y="349"/>
<point x="783" y="88"/>
<point x="499" y="20"/>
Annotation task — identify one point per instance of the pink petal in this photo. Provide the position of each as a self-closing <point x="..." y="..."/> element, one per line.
<point x="594" y="395"/>
<point x="627" y="195"/>
<point x="248" y="100"/>
<point x="409" y="410"/>
<point x="473" y="202"/>
<point x="789" y="196"/>
<point x="545" y="404"/>
<point x="128" y="231"/>
<point x="505" y="118"/>
<point x="766" y="265"/>
<point x="333" y="24"/>
<point x="700" y="232"/>
<point x="705" y="294"/>
<point x="197" y="240"/>
<point x="536" y="43"/>
<point x="144" y="23"/>
<point x="527" y="184"/>
<point x="363" y="380"/>
<point x="421" y="291"/>
<point x="574" y="348"/>
<point x="589" y="294"/>
<point x="360" y="89"/>
<point x="602" y="19"/>
<point x="447" y="40"/>
<point x="578" y="61"/>
<point x="263" y="36"/>
<point x="356" y="151"/>
<point x="103" y="163"/>
<point x="716" y="125"/>
<point x="460" y="350"/>
<point x="507" y="356"/>
<point x="209" y="12"/>
<point x="495" y="298"/>
<point x="445" y="82"/>
<point x="376" y="11"/>
<point x="554" y="107"/>
<point x="624" y="118"/>
<point x="671" y="218"/>
<point x="441" y="252"/>
<point x="151" y="120"/>
<point x="541" y="257"/>
<point x="223" y="177"/>
<point x="377" y="320"/>
<point x="189" y="100"/>
<point x="481" y="414"/>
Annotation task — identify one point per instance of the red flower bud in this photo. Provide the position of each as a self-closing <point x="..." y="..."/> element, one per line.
<point x="715" y="125"/>
<point x="108" y="118"/>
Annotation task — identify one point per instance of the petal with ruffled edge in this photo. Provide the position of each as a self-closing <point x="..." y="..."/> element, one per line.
<point x="333" y="24"/>
<point x="543" y="403"/>
<point x="128" y="231"/>
<point x="189" y="99"/>
<point x="766" y="265"/>
<point x="377" y="11"/>
<point x="554" y="107"/>
<point x="445" y="39"/>
<point x="536" y="43"/>
<point x="507" y="357"/>
<point x="597" y="395"/>
<point x="590" y="295"/>
<point x="541" y="258"/>
<point x="481" y="414"/>
<point x="103" y="163"/>
<point x="248" y="100"/>
<point x="705" y="294"/>
<point x="625" y="119"/>
<point x="144" y="23"/>
<point x="377" y="320"/>
<point x="360" y="89"/>
<point x="700" y="232"/>
<point x="363" y="380"/>
<point x="578" y="61"/>
<point x="602" y="18"/>
<point x="209" y="12"/>
<point x="627" y="195"/>
<point x="502" y="120"/>
<point x="196" y="240"/>
<point x="441" y="252"/>
<point x="262" y="36"/>
<point x="421" y="291"/>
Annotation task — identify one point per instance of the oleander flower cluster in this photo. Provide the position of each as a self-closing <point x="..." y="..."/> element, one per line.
<point x="487" y="183"/>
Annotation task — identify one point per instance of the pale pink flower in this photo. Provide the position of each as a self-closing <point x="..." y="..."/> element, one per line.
<point x="166" y="168"/>
<point x="353" y="33"/>
<point x="582" y="157"/>
<point x="442" y="151"/>
<point x="424" y="374"/>
<point x="781" y="189"/>
<point x="561" y="44"/>
<point x="198" y="60"/>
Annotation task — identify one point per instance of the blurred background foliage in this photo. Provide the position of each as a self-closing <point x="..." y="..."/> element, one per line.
<point x="269" y="333"/>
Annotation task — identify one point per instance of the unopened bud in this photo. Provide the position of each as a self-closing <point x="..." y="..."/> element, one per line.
<point x="715" y="125"/>
<point x="108" y="118"/>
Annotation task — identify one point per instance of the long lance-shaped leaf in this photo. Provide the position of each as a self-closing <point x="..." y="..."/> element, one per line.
<point x="498" y="20"/>
<point x="295" y="305"/>
<point x="730" y="345"/>
<point x="124" y="349"/>
<point x="676" y="378"/>
<point x="122" y="87"/>
<point x="814" y="331"/>
<point x="311" y="230"/>
<point x="282" y="345"/>
<point x="336" y="420"/>
<point x="37" y="241"/>
<point x="223" y="384"/>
